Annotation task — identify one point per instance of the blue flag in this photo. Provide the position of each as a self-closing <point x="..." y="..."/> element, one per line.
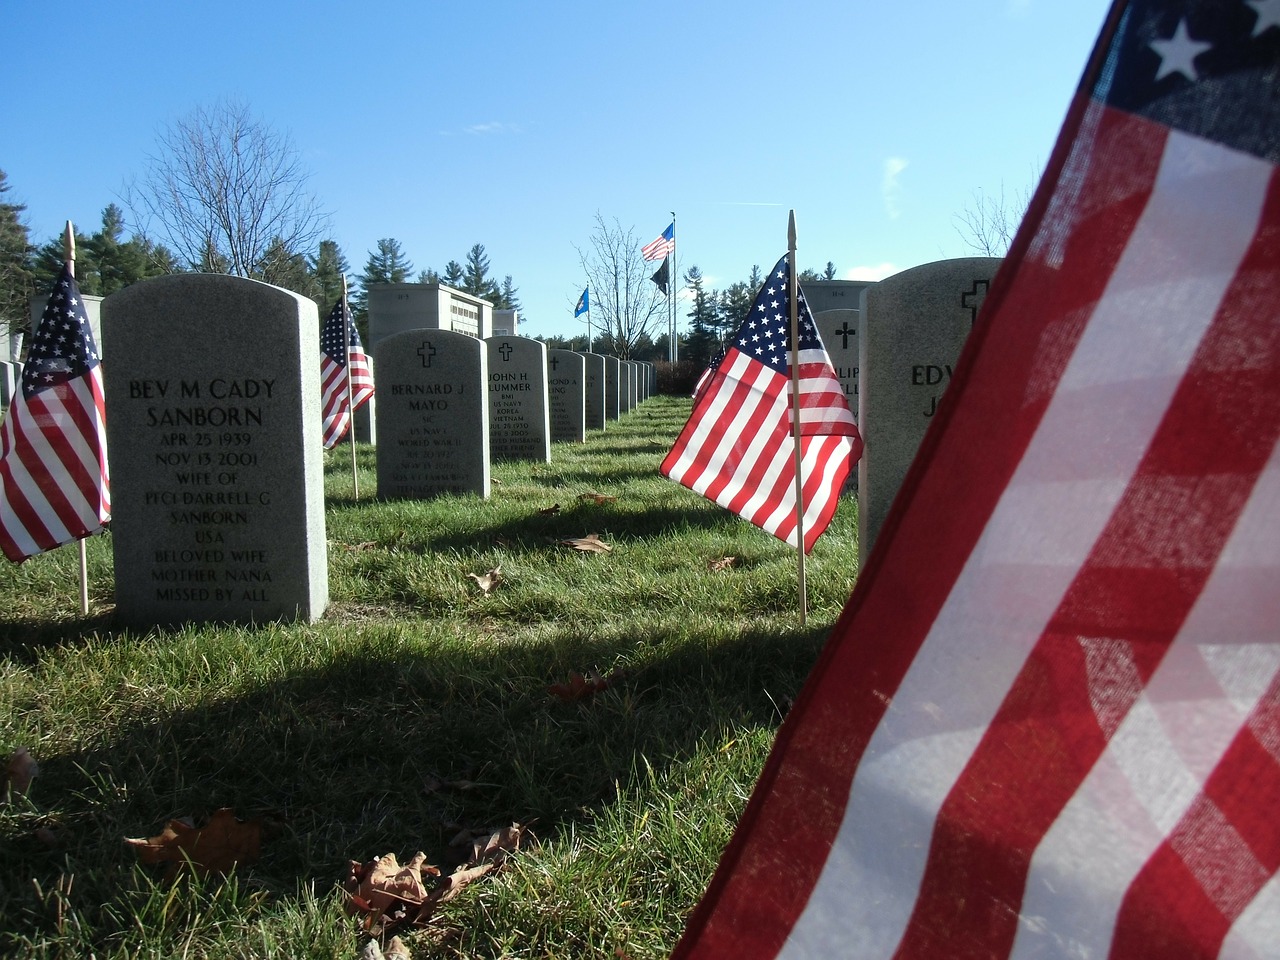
<point x="583" y="304"/>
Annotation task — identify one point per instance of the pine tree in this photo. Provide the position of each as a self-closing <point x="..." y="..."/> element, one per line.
<point x="387" y="264"/>
<point x="702" y="341"/>
<point x="117" y="262"/>
<point x="328" y="267"/>
<point x="507" y="299"/>
<point x="453" y="275"/>
<point x="16" y="282"/>
<point x="475" y="280"/>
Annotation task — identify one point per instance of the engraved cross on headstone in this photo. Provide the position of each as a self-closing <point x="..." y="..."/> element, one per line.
<point x="555" y="363"/>
<point x="844" y="333"/>
<point x="426" y="352"/>
<point x="972" y="299"/>
<point x="505" y="350"/>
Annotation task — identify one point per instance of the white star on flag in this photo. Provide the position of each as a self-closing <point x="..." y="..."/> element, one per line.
<point x="1178" y="53"/>
<point x="1268" y="12"/>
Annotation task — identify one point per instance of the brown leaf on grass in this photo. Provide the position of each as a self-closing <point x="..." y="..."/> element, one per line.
<point x="724" y="563"/>
<point x="549" y="511"/>
<point x="360" y="547"/>
<point x="489" y="580"/>
<point x="591" y="543"/>
<point x="471" y="848"/>
<point x="583" y="688"/>
<point x="596" y="497"/>
<point x="392" y="897"/>
<point x="18" y="774"/>
<point x="216" y="847"/>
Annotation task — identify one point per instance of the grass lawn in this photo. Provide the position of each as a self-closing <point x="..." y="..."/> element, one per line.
<point x="417" y="707"/>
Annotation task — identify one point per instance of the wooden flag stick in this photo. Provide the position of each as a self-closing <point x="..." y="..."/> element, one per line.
<point x="69" y="252"/>
<point x="793" y="295"/>
<point x="351" y="407"/>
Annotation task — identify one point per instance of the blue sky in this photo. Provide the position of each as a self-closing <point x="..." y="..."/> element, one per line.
<point x="512" y="124"/>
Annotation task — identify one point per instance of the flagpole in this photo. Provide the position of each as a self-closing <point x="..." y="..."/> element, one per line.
<point x="671" y="283"/>
<point x="793" y="295"/>
<point x="69" y="252"/>
<point x="351" y="408"/>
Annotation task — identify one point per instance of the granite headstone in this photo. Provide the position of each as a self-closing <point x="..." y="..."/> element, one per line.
<point x="612" y="383"/>
<point x="433" y="414"/>
<point x="566" y="392"/>
<point x="215" y="452"/>
<point x="911" y="328"/>
<point x="594" y="382"/>
<point x="519" y="421"/>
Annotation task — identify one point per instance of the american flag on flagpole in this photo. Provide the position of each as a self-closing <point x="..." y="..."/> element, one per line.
<point x="53" y="446"/>
<point x="663" y="245"/>
<point x="1048" y="721"/>
<point x="737" y="447"/>
<point x="338" y="335"/>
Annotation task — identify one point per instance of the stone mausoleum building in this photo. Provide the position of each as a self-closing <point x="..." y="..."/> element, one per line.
<point x="397" y="307"/>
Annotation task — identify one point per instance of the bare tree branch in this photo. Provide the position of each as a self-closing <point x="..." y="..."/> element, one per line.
<point x="225" y="191"/>
<point x="625" y="305"/>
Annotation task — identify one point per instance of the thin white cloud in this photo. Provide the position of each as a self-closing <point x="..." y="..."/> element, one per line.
<point x="492" y="128"/>
<point x="876" y="271"/>
<point x="890" y="186"/>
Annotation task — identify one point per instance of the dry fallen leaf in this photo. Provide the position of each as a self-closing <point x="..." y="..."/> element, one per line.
<point x="596" y="497"/>
<point x="591" y="543"/>
<point x="492" y="845"/>
<point x="20" y="771"/>
<point x="216" y="847"/>
<point x="359" y="547"/>
<point x="583" y="688"/>
<point x="724" y="563"/>
<point x="548" y="511"/>
<point x="391" y="896"/>
<point x="489" y="580"/>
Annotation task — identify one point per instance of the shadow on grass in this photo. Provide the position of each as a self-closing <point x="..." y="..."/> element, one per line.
<point x="345" y="761"/>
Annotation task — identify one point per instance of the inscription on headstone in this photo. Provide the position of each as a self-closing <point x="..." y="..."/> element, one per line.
<point x="593" y="379"/>
<point x="433" y="415"/>
<point x="566" y="392"/>
<point x="519" y="421"/>
<point x="215" y="452"/>
<point x="911" y="328"/>
<point x="839" y="332"/>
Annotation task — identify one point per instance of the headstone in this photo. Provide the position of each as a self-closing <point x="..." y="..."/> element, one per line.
<point x="612" y="382"/>
<point x="8" y="381"/>
<point x="594" y="381"/>
<point x="839" y="332"/>
<point x="433" y="415"/>
<point x="566" y="392"/>
<point x="15" y="345"/>
<point x="823" y="295"/>
<point x="365" y="422"/>
<point x="215" y="453"/>
<point x="519" y="422"/>
<point x="911" y="328"/>
<point x="624" y="387"/>
<point x="633" y="384"/>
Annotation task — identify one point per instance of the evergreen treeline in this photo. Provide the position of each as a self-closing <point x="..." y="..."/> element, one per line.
<point x="107" y="261"/>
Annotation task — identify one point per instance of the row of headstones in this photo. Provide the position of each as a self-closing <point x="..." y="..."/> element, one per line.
<point x="448" y="404"/>
<point x="215" y="452"/>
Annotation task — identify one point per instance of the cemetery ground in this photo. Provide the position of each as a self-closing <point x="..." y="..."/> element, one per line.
<point x="616" y="704"/>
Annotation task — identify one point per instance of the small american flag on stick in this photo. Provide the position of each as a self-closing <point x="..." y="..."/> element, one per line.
<point x="53" y="446"/>
<point x="338" y="341"/>
<point x="737" y="448"/>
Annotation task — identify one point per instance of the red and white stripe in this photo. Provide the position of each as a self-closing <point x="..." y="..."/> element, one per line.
<point x="1048" y="722"/>
<point x="333" y="393"/>
<point x="54" y="485"/>
<point x="737" y="449"/>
